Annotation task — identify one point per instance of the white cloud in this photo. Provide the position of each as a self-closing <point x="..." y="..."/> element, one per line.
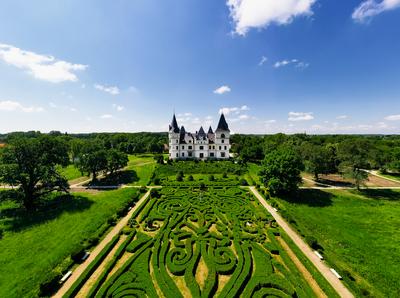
<point x="222" y="90"/>
<point x="342" y="117"/>
<point x="118" y="107"/>
<point x="244" y="117"/>
<point x="370" y="8"/>
<point x="296" y="62"/>
<point x="248" y="14"/>
<point x="42" y="67"/>
<point x="270" y="121"/>
<point x="11" y="106"/>
<point x="236" y="110"/>
<point x="262" y="61"/>
<point x="392" y="118"/>
<point x="300" y="116"/>
<point x="106" y="116"/>
<point x="109" y="89"/>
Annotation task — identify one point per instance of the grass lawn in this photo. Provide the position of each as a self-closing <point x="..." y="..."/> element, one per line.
<point x="395" y="176"/>
<point x="358" y="232"/>
<point x="71" y="172"/>
<point x="143" y="167"/>
<point x="253" y="171"/>
<point x="34" y="244"/>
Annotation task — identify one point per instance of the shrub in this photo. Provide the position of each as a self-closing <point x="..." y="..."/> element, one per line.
<point x="179" y="177"/>
<point x="243" y="182"/>
<point x="112" y="220"/>
<point x="224" y="175"/>
<point x="211" y="178"/>
<point x="50" y="285"/>
<point x="1" y="233"/>
<point x="312" y="242"/>
<point x="190" y="178"/>
<point x="78" y="254"/>
<point x="157" y="181"/>
<point x="202" y="186"/>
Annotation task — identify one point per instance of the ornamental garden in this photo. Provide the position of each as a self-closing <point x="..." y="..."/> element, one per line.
<point x="186" y="242"/>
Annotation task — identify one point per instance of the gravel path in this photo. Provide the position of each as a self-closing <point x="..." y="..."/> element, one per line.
<point x="320" y="265"/>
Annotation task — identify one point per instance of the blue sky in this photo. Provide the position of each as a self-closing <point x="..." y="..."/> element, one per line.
<point x="315" y="66"/>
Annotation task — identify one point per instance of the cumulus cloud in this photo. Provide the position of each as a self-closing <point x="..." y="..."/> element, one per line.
<point x="247" y="14"/>
<point x="11" y="106"/>
<point x="262" y="61"/>
<point x="106" y="116"/>
<point x="392" y="118"/>
<point x="222" y="90"/>
<point x="109" y="89"/>
<point x="370" y="8"/>
<point x="42" y="67"/>
<point x="235" y="110"/>
<point x="300" y="116"/>
<point x="295" y="62"/>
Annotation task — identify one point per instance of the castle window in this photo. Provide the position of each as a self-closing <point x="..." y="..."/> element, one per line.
<point x="190" y="154"/>
<point x="225" y="147"/>
<point x="190" y="147"/>
<point x="183" y="147"/>
<point x="177" y="147"/>
<point x="183" y="154"/>
<point x="222" y="154"/>
<point x="177" y="155"/>
<point x="201" y="147"/>
<point x="223" y="136"/>
<point x="177" y="141"/>
<point x="222" y="141"/>
<point x="211" y="154"/>
<point x="219" y="147"/>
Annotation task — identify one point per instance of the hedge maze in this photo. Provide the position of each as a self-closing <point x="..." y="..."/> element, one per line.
<point x="190" y="243"/>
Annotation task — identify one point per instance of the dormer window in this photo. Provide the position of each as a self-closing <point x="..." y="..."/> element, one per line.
<point x="223" y="135"/>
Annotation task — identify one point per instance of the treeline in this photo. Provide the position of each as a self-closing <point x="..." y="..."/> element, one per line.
<point x="31" y="160"/>
<point x="283" y="157"/>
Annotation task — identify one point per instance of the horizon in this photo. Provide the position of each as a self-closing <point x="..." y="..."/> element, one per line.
<point x="320" y="68"/>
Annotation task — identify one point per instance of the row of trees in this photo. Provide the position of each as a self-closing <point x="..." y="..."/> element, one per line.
<point x="32" y="163"/>
<point x="284" y="157"/>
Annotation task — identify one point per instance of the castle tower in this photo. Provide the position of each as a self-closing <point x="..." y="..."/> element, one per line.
<point x="222" y="135"/>
<point x="173" y="135"/>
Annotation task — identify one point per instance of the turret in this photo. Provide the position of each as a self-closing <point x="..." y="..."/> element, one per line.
<point x="173" y="135"/>
<point x="222" y="135"/>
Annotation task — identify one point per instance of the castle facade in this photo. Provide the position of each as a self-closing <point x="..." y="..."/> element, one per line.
<point x="199" y="145"/>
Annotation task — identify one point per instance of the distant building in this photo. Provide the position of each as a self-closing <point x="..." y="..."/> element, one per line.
<point x="200" y="145"/>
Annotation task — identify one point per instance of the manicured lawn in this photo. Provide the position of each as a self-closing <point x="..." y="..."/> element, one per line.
<point x="253" y="171"/>
<point x="34" y="244"/>
<point x="395" y="176"/>
<point x="71" y="172"/>
<point x="358" y="232"/>
<point x="143" y="167"/>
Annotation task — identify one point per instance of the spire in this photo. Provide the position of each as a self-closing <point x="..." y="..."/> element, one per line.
<point x="174" y="125"/>
<point x="210" y="131"/>
<point x="222" y="125"/>
<point x="201" y="131"/>
<point x="182" y="134"/>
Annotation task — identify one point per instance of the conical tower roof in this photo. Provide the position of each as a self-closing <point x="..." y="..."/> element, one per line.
<point x="210" y="130"/>
<point x="201" y="131"/>
<point x="222" y="125"/>
<point x="174" y="125"/>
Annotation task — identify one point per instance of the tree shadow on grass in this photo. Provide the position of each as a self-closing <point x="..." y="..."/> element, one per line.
<point x="17" y="218"/>
<point x="310" y="197"/>
<point x="381" y="194"/>
<point x="116" y="179"/>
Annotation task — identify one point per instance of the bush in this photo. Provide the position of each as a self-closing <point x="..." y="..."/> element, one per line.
<point x="243" y="182"/>
<point x="211" y="178"/>
<point x="112" y="220"/>
<point x="190" y="178"/>
<point x="312" y="242"/>
<point x="50" y="285"/>
<point x="78" y="254"/>
<point x="179" y="177"/>
<point x="1" y="233"/>
<point x="157" y="181"/>
<point x="224" y="175"/>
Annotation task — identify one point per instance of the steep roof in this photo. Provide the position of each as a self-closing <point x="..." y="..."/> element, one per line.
<point x="174" y="125"/>
<point x="222" y="125"/>
<point x="210" y="130"/>
<point x="182" y="134"/>
<point x="201" y="131"/>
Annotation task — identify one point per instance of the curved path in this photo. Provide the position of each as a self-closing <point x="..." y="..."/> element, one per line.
<point x="78" y="270"/>
<point x="321" y="266"/>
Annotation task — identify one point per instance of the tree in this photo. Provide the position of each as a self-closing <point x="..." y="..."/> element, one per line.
<point x="353" y="156"/>
<point x="319" y="159"/>
<point x="30" y="163"/>
<point x="281" y="171"/>
<point x="93" y="160"/>
<point x="116" y="160"/>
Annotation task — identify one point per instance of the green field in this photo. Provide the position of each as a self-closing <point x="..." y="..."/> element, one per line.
<point x="359" y="234"/>
<point x="70" y="172"/>
<point x="395" y="176"/>
<point x="34" y="244"/>
<point x="142" y="167"/>
<point x="217" y="242"/>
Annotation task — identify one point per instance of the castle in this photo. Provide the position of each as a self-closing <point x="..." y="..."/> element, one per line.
<point x="200" y="145"/>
